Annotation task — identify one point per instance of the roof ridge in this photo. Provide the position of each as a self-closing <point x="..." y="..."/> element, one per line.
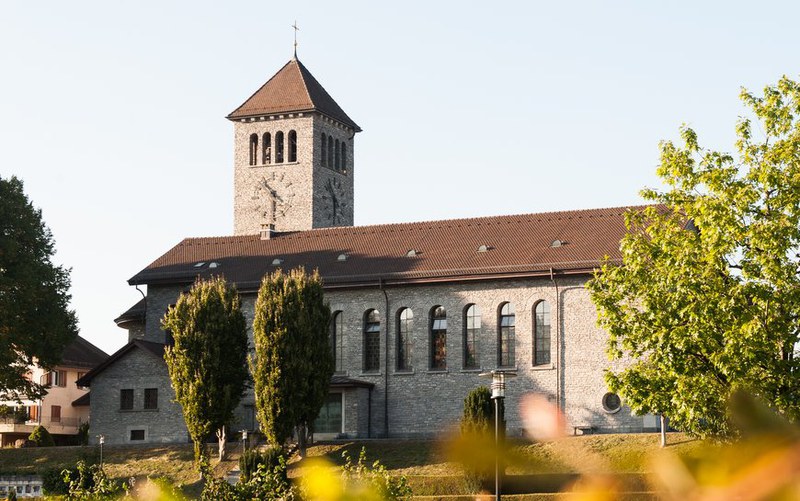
<point x="258" y="90"/>
<point x="372" y="228"/>
<point x="301" y="67"/>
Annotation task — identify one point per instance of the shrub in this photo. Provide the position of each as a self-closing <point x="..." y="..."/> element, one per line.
<point x="251" y="459"/>
<point x="361" y="479"/>
<point x="83" y="434"/>
<point x="41" y="437"/>
<point x="90" y="482"/>
<point x="478" y="413"/>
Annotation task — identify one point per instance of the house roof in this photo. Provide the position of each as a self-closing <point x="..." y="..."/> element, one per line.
<point x="569" y="242"/>
<point x="155" y="349"/>
<point x="347" y="382"/>
<point x="292" y="89"/>
<point x="83" y="401"/>
<point x="82" y="354"/>
<point x="135" y="313"/>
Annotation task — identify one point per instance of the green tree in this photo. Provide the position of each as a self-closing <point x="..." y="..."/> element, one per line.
<point x="293" y="363"/>
<point x="208" y="362"/>
<point x="478" y="415"/>
<point x="707" y="297"/>
<point x="35" y="320"/>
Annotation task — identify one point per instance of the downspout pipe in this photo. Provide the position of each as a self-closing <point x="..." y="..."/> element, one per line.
<point x="558" y="340"/>
<point x="386" y="362"/>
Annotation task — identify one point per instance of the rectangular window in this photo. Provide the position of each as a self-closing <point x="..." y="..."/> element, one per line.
<point x="137" y="435"/>
<point x="126" y="400"/>
<point x="372" y="351"/>
<point x="55" y="413"/>
<point x="330" y="416"/>
<point x="151" y="398"/>
<point x="57" y="378"/>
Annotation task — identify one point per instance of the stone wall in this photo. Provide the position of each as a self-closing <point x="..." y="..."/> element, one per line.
<point x="137" y="370"/>
<point x="301" y="187"/>
<point x="423" y="402"/>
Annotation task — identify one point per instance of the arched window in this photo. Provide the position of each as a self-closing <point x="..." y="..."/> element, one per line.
<point x="253" y="149"/>
<point x="330" y="152"/>
<point x="337" y="341"/>
<point x="292" y="146"/>
<point x="541" y="333"/>
<point x="438" y="338"/>
<point x="266" y="148"/>
<point x="336" y="163"/>
<point x="324" y="156"/>
<point x="505" y="336"/>
<point x="405" y="320"/>
<point x="279" y="147"/>
<point x="372" y="341"/>
<point x="344" y="157"/>
<point x="472" y="333"/>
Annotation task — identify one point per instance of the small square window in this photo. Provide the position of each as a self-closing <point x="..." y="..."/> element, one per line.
<point x="137" y="435"/>
<point x="126" y="399"/>
<point x="151" y="398"/>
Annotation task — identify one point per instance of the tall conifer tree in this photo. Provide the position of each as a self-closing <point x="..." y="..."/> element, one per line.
<point x="293" y="363"/>
<point x="208" y="362"/>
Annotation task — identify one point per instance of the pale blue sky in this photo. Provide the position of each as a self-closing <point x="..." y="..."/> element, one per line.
<point x="112" y="113"/>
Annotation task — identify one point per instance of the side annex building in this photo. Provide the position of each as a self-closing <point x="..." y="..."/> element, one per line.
<point x="419" y="309"/>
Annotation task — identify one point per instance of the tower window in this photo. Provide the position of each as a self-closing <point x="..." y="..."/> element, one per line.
<point x="292" y="146"/>
<point x="337" y="341"/>
<point x="372" y="341"/>
<point x="279" y="147"/>
<point x="324" y="155"/>
<point x="404" y="323"/>
<point x="541" y="333"/>
<point x="337" y="165"/>
<point x="330" y="152"/>
<point x="472" y="333"/>
<point x="344" y="157"/>
<point x="505" y="336"/>
<point x="253" y="149"/>
<point x="266" y="149"/>
<point x="438" y="338"/>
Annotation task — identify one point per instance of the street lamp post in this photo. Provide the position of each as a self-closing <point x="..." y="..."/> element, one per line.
<point x="101" y="441"/>
<point x="498" y="395"/>
<point x="244" y="441"/>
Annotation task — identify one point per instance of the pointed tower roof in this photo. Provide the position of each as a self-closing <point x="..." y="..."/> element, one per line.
<point x="292" y="89"/>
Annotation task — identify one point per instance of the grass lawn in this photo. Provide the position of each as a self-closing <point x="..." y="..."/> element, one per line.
<point x="427" y="464"/>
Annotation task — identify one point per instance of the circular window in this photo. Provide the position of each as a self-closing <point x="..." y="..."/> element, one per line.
<point x="611" y="402"/>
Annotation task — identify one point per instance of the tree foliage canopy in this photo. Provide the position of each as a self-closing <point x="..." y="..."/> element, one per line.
<point x="707" y="298"/>
<point x="208" y="362"/>
<point x="293" y="362"/>
<point x="35" y="320"/>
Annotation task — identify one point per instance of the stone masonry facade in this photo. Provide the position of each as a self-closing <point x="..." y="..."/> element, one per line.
<point x="422" y="401"/>
<point x="302" y="198"/>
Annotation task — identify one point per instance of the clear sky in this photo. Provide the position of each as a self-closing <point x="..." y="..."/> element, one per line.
<point x="112" y="113"/>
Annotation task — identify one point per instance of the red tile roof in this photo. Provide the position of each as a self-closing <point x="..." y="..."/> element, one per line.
<point x="447" y="250"/>
<point x="292" y="89"/>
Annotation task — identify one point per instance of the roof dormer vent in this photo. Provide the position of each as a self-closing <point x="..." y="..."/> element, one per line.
<point x="557" y="243"/>
<point x="484" y="248"/>
<point x="212" y="265"/>
<point x="412" y="253"/>
<point x="277" y="261"/>
<point x="342" y="257"/>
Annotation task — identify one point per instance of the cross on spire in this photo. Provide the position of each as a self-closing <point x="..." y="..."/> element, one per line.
<point x="296" y="29"/>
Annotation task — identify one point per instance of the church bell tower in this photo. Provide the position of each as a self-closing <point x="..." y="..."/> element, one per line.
<point x="293" y="156"/>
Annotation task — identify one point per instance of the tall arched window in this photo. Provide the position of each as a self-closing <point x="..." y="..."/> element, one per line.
<point x="279" y="147"/>
<point x="372" y="341"/>
<point x="324" y="150"/>
<point x="330" y="152"/>
<point x="336" y="164"/>
<point x="438" y="338"/>
<point x="253" y="149"/>
<point x="541" y="333"/>
<point x="337" y="341"/>
<point x="505" y="336"/>
<point x="266" y="148"/>
<point x="344" y="157"/>
<point x="292" y="146"/>
<point x="405" y="320"/>
<point x="472" y="333"/>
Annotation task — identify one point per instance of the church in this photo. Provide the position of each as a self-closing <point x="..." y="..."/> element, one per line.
<point x="419" y="310"/>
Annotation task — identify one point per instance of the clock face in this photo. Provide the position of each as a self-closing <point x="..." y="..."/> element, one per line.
<point x="334" y="202"/>
<point x="273" y="194"/>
